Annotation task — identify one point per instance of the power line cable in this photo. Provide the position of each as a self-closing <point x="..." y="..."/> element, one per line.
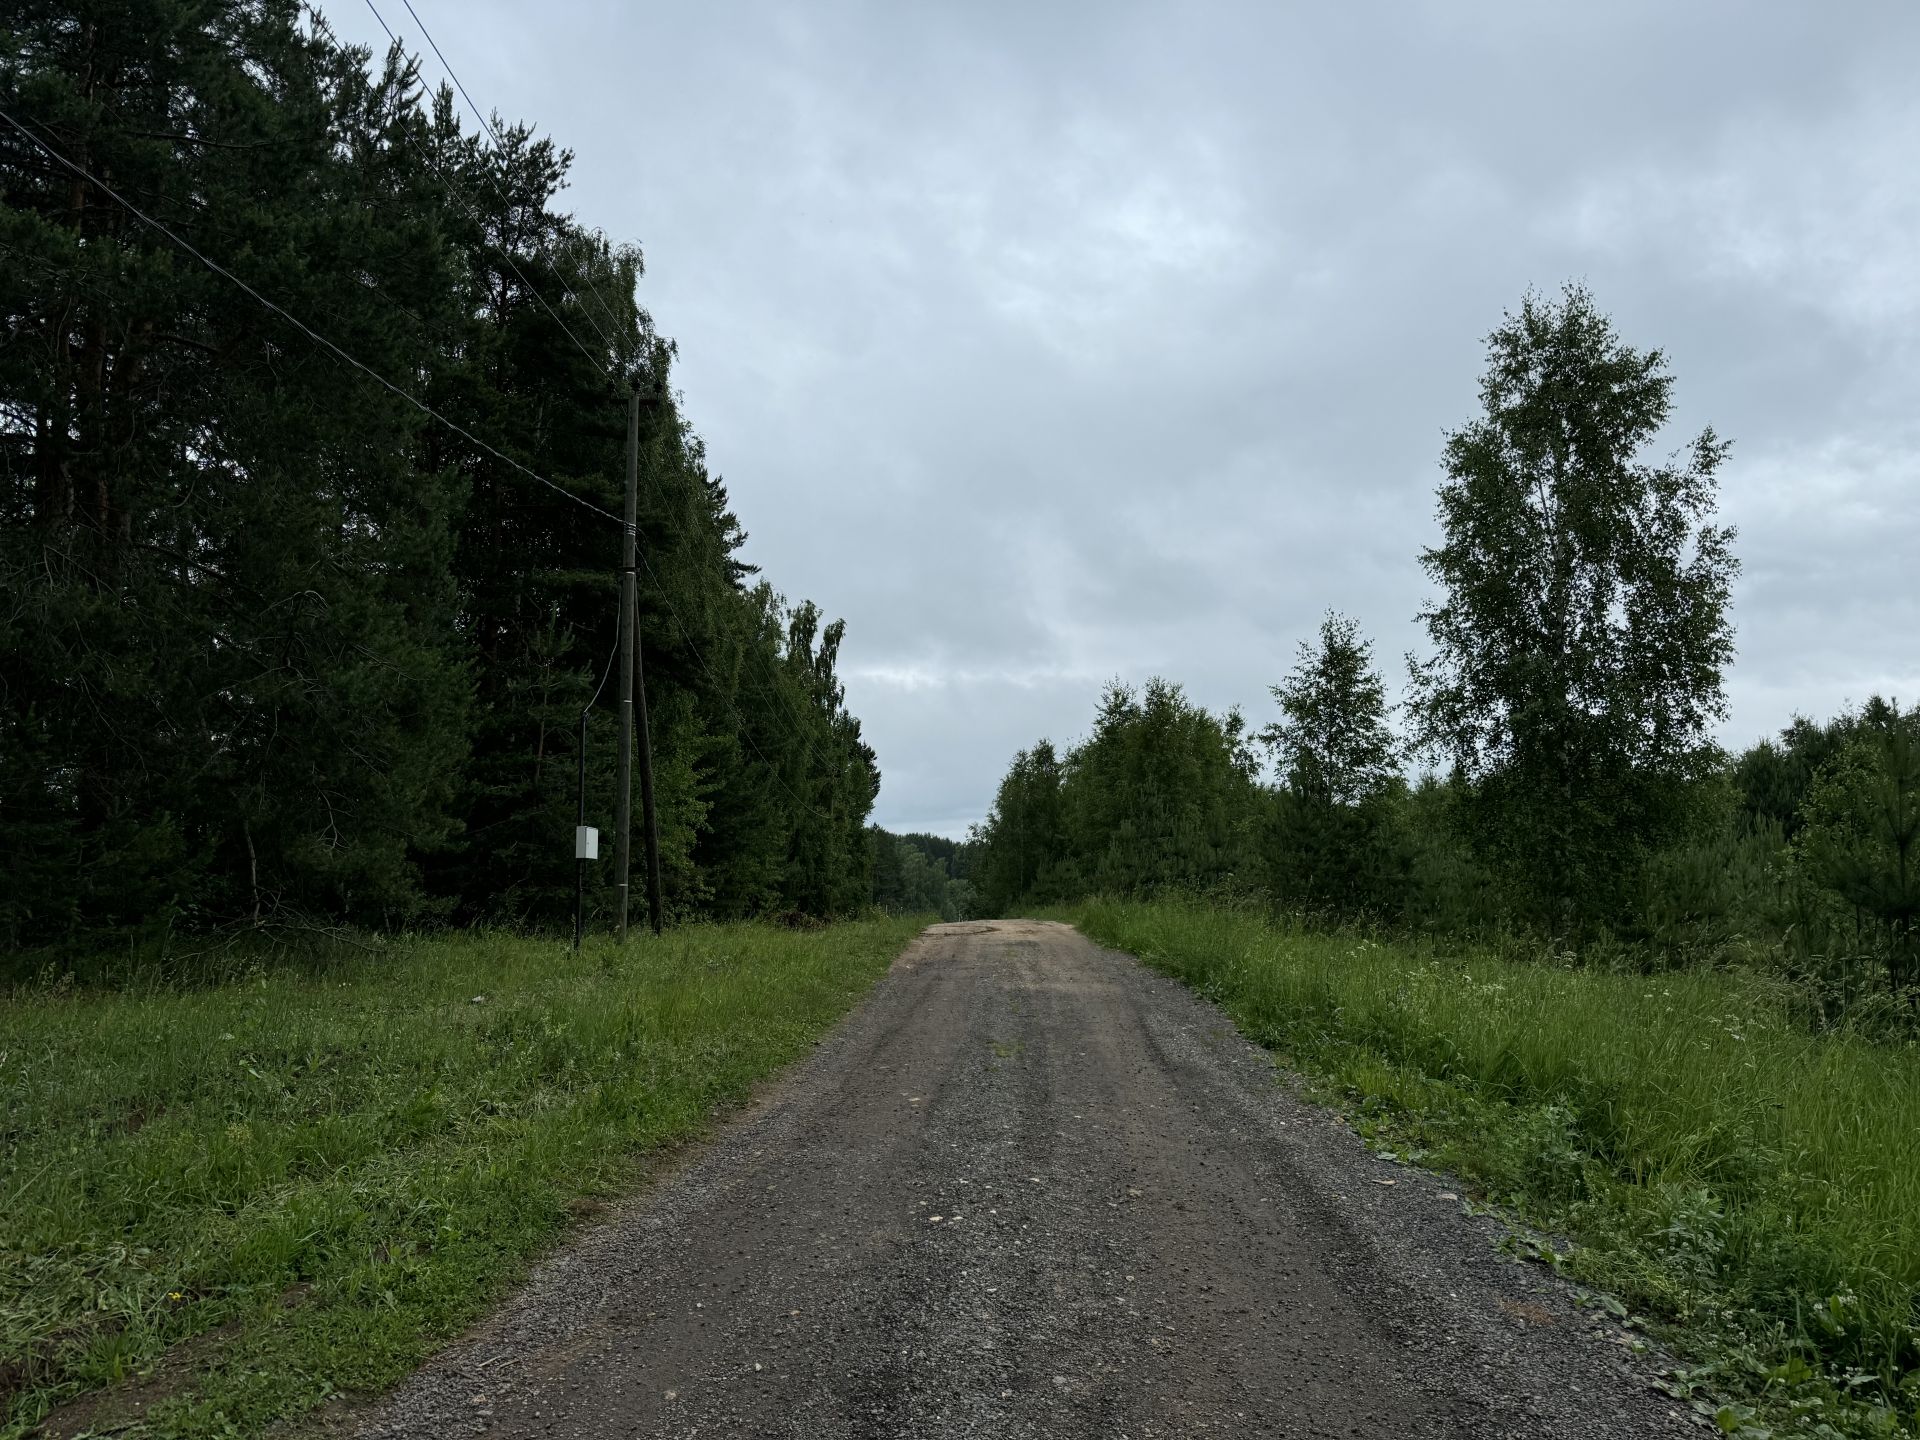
<point x="485" y="120"/>
<point x="482" y="118"/>
<point x="593" y="288"/>
<point x="300" y="325"/>
<point x="785" y="703"/>
<point x="605" y="674"/>
<point x="500" y="148"/>
<point x="466" y="202"/>
<point x="466" y="434"/>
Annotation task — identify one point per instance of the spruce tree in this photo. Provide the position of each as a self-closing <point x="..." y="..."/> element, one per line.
<point x="1861" y="838"/>
<point x="1333" y="839"/>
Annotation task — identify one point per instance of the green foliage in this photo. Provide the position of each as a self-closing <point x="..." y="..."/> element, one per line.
<point x="1803" y="872"/>
<point x="1160" y="795"/>
<point x="1335" y="839"/>
<point x="1332" y="744"/>
<point x="1580" y="639"/>
<point x="1342" y="861"/>
<point x="233" y="677"/>
<point x="278" y="645"/>
<point x="325" y="1170"/>
<point x="920" y="874"/>
<point x="1582" y="626"/>
<point x="1750" y="1189"/>
<point x="1861" y="836"/>
<point x="1022" y="843"/>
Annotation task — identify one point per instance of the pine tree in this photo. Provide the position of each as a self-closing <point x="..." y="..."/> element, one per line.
<point x="235" y="688"/>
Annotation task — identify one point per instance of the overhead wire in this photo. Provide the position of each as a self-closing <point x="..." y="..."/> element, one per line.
<point x="592" y="286"/>
<point x="343" y="354"/>
<point x="599" y="361"/>
<point x="719" y="689"/>
<point x="484" y="120"/>
<point x="606" y="674"/>
<point x="301" y="325"/>
<point x="500" y="148"/>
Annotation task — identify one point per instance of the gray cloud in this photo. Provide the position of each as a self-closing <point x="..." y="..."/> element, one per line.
<point x="1055" y="343"/>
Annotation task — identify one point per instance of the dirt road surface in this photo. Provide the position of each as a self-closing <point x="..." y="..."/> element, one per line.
<point x="1029" y="1188"/>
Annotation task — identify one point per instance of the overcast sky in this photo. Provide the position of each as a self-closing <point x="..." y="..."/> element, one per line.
<point x="1054" y="343"/>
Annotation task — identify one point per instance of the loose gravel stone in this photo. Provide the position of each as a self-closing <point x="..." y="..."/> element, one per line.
<point x="1029" y="1188"/>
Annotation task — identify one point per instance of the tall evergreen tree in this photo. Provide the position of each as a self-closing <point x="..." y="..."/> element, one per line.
<point x="1022" y="843"/>
<point x="233" y="683"/>
<point x="276" y="643"/>
<point x="1333" y="838"/>
<point x="1862" y="832"/>
<point x="1332" y="743"/>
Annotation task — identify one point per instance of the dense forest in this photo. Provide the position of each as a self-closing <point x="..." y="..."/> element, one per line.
<point x="1552" y="775"/>
<point x="919" y="874"/>
<point x="282" y="648"/>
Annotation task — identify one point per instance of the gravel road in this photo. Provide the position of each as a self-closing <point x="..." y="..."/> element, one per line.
<point x="1029" y="1188"/>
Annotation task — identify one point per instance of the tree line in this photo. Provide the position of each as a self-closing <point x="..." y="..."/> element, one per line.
<point x="280" y="647"/>
<point x="920" y="874"/>
<point x="1552" y="771"/>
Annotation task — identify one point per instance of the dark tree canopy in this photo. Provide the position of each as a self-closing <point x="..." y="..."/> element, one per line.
<point x="1156" y="797"/>
<point x="276" y="643"/>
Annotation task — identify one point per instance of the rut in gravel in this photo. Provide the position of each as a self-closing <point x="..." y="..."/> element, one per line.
<point x="1030" y="1188"/>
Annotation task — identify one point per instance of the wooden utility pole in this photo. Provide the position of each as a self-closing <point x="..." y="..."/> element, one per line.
<point x="633" y="689"/>
<point x="623" y="794"/>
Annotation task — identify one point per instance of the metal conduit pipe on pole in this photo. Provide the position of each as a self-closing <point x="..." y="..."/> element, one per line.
<point x="650" y="821"/>
<point x="579" y="835"/>
<point x="633" y="702"/>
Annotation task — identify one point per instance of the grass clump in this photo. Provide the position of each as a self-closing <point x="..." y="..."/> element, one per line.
<point x="302" y="1179"/>
<point x="1750" y="1187"/>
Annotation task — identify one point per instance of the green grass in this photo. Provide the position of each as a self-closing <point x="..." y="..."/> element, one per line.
<point x="1751" y="1189"/>
<point x="323" y="1172"/>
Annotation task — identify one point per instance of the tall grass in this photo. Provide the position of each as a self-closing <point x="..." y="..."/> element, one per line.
<point x="323" y="1171"/>
<point x="1726" y="1171"/>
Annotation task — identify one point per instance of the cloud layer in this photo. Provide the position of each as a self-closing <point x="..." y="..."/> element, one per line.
<point x="1050" y="344"/>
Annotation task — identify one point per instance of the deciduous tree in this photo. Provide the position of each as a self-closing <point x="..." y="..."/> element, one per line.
<point x="1581" y="624"/>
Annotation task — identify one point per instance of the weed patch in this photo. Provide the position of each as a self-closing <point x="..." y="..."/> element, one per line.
<point x="305" y="1179"/>
<point x="1750" y="1188"/>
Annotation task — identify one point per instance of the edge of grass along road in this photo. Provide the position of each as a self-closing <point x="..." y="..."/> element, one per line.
<point x="1749" y="1190"/>
<point x="221" y="1207"/>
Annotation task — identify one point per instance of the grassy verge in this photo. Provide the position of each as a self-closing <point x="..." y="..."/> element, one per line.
<point x="296" y="1183"/>
<point x="1753" y="1190"/>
